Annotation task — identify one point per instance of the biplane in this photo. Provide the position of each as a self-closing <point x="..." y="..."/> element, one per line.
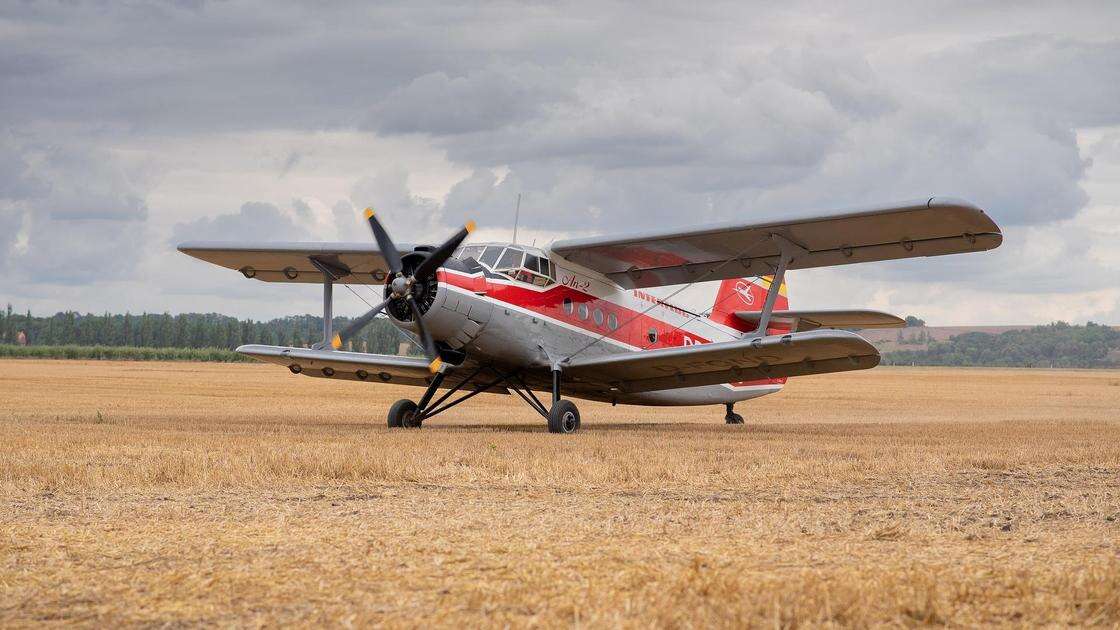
<point x="574" y="320"/>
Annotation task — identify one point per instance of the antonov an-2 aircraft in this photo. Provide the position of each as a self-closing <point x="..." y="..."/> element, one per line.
<point x="572" y="319"/>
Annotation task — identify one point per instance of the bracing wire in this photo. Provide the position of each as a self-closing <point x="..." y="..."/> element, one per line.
<point x="707" y="273"/>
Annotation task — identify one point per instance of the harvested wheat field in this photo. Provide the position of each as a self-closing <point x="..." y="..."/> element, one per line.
<point x="190" y="494"/>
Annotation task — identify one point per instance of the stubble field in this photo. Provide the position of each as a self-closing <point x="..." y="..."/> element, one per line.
<point x="189" y="494"/>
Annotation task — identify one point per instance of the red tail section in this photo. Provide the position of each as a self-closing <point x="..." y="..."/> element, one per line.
<point x="744" y="294"/>
<point x="748" y="294"/>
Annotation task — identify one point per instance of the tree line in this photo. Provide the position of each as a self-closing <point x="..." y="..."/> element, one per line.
<point x="1058" y="345"/>
<point x="186" y="330"/>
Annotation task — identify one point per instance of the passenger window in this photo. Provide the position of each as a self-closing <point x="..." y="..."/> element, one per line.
<point x="652" y="335"/>
<point x="583" y="311"/>
<point x="612" y="321"/>
<point x="598" y="317"/>
<point x="569" y="306"/>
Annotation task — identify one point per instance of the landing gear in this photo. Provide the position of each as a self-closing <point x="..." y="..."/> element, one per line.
<point x="403" y="413"/>
<point x="563" y="417"/>
<point x="732" y="417"/>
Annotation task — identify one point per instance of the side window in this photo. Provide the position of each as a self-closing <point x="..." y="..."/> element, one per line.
<point x="652" y="335"/>
<point x="612" y="321"/>
<point x="532" y="263"/>
<point x="569" y="306"/>
<point x="598" y="317"/>
<point x="583" y="311"/>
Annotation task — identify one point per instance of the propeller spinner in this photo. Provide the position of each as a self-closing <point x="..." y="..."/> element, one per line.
<point x="404" y="288"/>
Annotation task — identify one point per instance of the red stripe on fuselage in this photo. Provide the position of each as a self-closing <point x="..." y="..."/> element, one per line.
<point x="634" y="326"/>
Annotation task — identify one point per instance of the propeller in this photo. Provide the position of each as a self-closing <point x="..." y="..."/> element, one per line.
<point x="404" y="287"/>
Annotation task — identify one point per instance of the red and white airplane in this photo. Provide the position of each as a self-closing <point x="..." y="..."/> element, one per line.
<point x="573" y="320"/>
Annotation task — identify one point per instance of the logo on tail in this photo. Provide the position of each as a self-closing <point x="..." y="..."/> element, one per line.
<point x="744" y="291"/>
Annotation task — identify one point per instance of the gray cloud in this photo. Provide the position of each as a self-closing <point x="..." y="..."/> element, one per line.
<point x="606" y="117"/>
<point x="488" y="99"/>
<point x="69" y="214"/>
<point x="254" y="221"/>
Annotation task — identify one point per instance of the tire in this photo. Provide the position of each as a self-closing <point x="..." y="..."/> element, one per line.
<point x="563" y="417"/>
<point x="401" y="411"/>
<point x="734" y="418"/>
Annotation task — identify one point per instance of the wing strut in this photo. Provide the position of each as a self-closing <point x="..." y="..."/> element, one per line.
<point x="787" y="249"/>
<point x="330" y="274"/>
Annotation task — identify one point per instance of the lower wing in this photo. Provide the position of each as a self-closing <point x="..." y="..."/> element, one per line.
<point x="794" y="354"/>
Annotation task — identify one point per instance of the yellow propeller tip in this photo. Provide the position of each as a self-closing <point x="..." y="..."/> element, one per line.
<point x="369" y="213"/>
<point x="435" y="364"/>
<point x="336" y="343"/>
<point x="469" y="226"/>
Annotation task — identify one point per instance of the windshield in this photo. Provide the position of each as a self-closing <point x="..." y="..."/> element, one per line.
<point x="519" y="262"/>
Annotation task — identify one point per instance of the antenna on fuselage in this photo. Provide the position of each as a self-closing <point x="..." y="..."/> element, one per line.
<point x="516" y="218"/>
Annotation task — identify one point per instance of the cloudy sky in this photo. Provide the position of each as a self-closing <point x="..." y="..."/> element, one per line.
<point x="126" y="127"/>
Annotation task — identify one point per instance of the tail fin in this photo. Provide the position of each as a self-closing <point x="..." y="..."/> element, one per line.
<point x="744" y="294"/>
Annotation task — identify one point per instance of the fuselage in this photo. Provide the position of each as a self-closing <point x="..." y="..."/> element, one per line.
<point x="525" y="306"/>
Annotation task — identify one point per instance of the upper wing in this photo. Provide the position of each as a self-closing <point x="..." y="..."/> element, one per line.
<point x="795" y="354"/>
<point x="811" y="320"/>
<point x="931" y="227"/>
<point x="355" y="263"/>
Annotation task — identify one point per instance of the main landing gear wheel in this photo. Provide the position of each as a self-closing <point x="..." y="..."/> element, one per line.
<point x="403" y="414"/>
<point x="563" y="417"/>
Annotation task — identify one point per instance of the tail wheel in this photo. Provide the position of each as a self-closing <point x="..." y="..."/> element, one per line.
<point x="563" y="417"/>
<point x="403" y="414"/>
<point x="734" y="418"/>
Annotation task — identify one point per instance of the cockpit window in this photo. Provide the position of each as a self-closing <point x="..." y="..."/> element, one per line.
<point x="471" y="251"/>
<point x="528" y="265"/>
<point x="533" y="263"/>
<point x="490" y="256"/>
<point x="511" y="259"/>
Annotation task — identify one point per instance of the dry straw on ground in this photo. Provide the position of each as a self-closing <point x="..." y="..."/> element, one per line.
<point x="142" y="493"/>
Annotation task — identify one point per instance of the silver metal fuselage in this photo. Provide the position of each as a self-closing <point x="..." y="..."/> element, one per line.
<point x="505" y="322"/>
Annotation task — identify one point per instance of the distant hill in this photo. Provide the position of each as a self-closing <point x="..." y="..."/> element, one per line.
<point x="919" y="337"/>
<point x="1054" y="345"/>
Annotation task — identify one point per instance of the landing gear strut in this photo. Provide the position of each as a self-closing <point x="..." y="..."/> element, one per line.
<point x="563" y="417"/>
<point x="732" y="417"/>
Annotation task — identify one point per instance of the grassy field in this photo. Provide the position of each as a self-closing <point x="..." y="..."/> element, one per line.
<point x="235" y="494"/>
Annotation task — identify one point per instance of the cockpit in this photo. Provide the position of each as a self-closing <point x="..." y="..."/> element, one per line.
<point x="519" y="262"/>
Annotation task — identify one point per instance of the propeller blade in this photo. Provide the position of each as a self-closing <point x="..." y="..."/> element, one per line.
<point x="425" y="338"/>
<point x="440" y="256"/>
<point x="384" y="243"/>
<point x="357" y="325"/>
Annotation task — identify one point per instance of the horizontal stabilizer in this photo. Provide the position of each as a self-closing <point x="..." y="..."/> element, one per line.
<point x="775" y="356"/>
<point x="800" y="320"/>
